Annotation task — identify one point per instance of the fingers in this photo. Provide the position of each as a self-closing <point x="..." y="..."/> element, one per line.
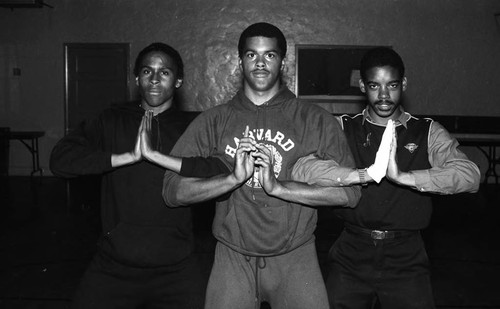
<point x="145" y="131"/>
<point x="149" y="116"/>
<point x="146" y="122"/>
<point x="142" y="125"/>
<point x="245" y="147"/>
<point x="265" y="149"/>
<point x="394" y="139"/>
<point x="264" y="155"/>
<point x="246" y="144"/>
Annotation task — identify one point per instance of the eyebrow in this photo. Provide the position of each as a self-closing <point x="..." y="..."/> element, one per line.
<point x="161" y="68"/>
<point x="267" y="51"/>
<point x="389" y="82"/>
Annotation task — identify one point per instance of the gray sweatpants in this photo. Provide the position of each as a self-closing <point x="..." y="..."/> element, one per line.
<point x="288" y="281"/>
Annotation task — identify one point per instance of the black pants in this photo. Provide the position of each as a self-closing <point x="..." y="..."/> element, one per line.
<point x="393" y="272"/>
<point x="108" y="284"/>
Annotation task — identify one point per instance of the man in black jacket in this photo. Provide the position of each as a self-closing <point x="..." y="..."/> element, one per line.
<point x="144" y="258"/>
<point x="380" y="256"/>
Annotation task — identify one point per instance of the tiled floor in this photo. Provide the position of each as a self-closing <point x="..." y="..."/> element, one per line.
<point x="45" y="246"/>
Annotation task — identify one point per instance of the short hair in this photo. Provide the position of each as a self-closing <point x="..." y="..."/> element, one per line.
<point x="262" y="29"/>
<point x="379" y="57"/>
<point x="160" y="47"/>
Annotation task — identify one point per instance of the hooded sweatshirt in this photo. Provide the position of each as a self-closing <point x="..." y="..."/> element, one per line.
<point x="249" y="221"/>
<point x="138" y="229"/>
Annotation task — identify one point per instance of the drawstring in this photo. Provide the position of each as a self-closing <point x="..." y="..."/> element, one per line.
<point x="260" y="263"/>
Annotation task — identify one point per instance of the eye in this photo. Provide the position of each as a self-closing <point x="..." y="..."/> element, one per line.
<point x="250" y="55"/>
<point x="165" y="73"/>
<point x="372" y="86"/>
<point x="271" y="55"/>
<point x="394" y="85"/>
<point x="145" y="71"/>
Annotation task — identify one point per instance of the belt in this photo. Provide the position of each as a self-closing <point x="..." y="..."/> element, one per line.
<point x="379" y="234"/>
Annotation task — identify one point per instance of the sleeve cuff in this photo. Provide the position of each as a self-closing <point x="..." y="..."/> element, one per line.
<point x="422" y="180"/>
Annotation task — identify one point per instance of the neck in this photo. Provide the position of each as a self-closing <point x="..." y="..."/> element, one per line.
<point x="156" y="109"/>
<point x="260" y="97"/>
<point x="383" y="120"/>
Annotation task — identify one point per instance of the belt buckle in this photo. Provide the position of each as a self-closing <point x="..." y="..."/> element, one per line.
<point x="378" y="235"/>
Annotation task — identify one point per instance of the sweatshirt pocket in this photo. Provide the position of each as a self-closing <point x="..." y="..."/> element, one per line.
<point x="147" y="246"/>
<point x="263" y="230"/>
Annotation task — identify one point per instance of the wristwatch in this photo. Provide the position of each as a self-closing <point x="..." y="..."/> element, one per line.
<point x="362" y="176"/>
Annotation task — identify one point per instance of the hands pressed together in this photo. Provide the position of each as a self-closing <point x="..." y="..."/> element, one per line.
<point x="142" y="148"/>
<point x="385" y="164"/>
<point x="252" y="156"/>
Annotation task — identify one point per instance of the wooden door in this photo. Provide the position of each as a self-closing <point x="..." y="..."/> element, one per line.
<point x="97" y="75"/>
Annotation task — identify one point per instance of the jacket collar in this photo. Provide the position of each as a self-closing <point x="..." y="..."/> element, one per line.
<point x="402" y="119"/>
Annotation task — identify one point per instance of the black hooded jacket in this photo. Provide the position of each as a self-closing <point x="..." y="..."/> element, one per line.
<point x="138" y="228"/>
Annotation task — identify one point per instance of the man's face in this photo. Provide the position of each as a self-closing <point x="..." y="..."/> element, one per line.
<point x="157" y="81"/>
<point x="383" y="88"/>
<point x="261" y="64"/>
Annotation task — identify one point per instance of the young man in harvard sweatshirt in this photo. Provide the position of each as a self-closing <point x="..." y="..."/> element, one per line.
<point x="264" y="224"/>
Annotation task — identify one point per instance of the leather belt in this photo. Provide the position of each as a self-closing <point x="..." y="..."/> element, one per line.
<point x="378" y="234"/>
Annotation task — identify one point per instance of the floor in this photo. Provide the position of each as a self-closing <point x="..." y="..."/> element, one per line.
<point x="45" y="244"/>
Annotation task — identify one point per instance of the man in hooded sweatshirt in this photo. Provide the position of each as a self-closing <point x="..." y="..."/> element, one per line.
<point x="264" y="224"/>
<point x="144" y="258"/>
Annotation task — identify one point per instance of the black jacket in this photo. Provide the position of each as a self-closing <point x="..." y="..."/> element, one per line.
<point x="138" y="228"/>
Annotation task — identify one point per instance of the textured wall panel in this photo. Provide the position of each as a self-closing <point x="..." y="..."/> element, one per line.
<point x="450" y="47"/>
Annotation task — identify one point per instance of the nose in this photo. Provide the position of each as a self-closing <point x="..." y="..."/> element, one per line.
<point x="383" y="93"/>
<point x="260" y="62"/>
<point x="155" y="78"/>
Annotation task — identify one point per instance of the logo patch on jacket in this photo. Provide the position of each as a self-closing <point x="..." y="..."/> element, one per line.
<point x="411" y="147"/>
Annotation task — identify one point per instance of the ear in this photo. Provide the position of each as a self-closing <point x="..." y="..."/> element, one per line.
<point x="282" y="64"/>
<point x="240" y="64"/>
<point x="178" y="83"/>
<point x="362" y="86"/>
<point x="405" y="83"/>
<point x="137" y="80"/>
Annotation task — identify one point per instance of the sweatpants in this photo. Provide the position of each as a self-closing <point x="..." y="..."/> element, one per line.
<point x="292" y="280"/>
<point x="108" y="284"/>
<point x="393" y="272"/>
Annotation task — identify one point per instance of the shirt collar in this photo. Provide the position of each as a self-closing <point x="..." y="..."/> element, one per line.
<point x="403" y="118"/>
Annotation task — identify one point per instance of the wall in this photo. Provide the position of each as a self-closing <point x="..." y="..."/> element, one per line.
<point x="450" y="47"/>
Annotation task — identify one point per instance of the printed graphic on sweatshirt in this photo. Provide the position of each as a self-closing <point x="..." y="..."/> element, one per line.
<point x="274" y="141"/>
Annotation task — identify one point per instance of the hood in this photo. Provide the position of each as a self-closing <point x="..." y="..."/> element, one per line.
<point x="134" y="107"/>
<point x="241" y="100"/>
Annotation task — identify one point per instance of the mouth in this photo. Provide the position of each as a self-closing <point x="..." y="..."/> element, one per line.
<point x="154" y="92"/>
<point x="260" y="73"/>
<point x="384" y="104"/>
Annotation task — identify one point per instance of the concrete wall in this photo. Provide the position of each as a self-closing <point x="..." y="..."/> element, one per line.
<point x="451" y="49"/>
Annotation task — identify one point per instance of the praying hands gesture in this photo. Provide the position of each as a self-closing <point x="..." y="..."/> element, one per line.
<point x="378" y="169"/>
<point x="264" y="163"/>
<point x="244" y="160"/>
<point x="143" y="136"/>
<point x="143" y="150"/>
<point x="394" y="174"/>
<point x="386" y="164"/>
